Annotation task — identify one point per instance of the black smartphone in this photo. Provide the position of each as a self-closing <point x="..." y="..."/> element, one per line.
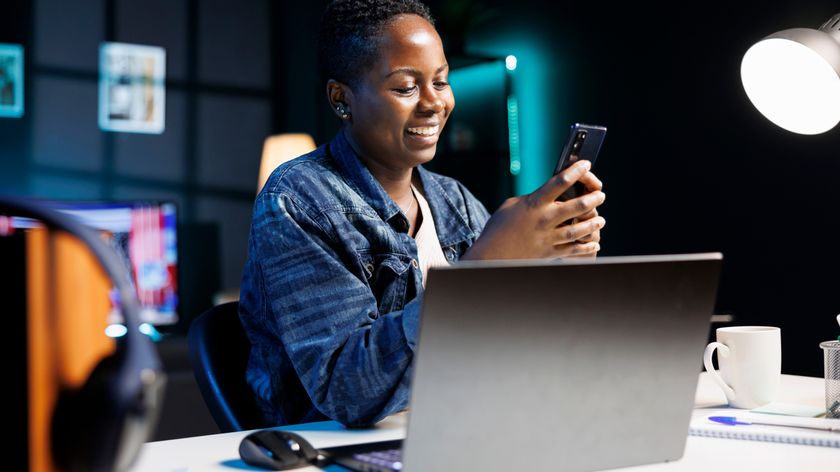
<point x="584" y="143"/>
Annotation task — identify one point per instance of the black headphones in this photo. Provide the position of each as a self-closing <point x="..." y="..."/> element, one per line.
<point x="103" y="424"/>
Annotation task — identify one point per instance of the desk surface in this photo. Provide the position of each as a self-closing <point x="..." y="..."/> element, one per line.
<point x="220" y="452"/>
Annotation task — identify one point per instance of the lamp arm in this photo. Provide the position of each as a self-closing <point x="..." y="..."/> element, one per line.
<point x="832" y="27"/>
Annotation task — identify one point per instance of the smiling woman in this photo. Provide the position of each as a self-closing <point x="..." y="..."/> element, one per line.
<point x="396" y="107"/>
<point x="342" y="237"/>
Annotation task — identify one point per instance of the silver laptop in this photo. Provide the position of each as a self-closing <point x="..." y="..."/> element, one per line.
<point x="573" y="366"/>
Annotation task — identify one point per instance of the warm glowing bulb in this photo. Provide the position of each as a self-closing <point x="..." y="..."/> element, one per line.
<point x="510" y="62"/>
<point x="792" y="85"/>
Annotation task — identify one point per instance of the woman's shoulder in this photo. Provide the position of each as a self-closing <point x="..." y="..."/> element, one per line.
<point x="301" y="172"/>
<point x="312" y="182"/>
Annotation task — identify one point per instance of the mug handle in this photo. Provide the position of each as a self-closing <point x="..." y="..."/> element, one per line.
<point x="710" y="368"/>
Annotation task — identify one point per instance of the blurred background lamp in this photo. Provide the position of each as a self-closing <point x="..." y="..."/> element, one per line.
<point x="150" y="331"/>
<point x="793" y="77"/>
<point x="510" y="62"/>
<point x="116" y="330"/>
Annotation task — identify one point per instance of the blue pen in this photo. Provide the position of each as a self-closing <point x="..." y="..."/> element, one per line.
<point x="787" y="422"/>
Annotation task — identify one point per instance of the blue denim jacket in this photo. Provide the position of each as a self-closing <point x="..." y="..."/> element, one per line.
<point x="331" y="291"/>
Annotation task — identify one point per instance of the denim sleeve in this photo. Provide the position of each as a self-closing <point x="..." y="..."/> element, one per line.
<point x="354" y="364"/>
<point x="477" y="214"/>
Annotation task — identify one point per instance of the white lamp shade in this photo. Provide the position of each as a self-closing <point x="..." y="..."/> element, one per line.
<point x="792" y="79"/>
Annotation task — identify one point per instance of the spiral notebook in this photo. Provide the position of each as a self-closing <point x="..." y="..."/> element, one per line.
<point x="702" y="426"/>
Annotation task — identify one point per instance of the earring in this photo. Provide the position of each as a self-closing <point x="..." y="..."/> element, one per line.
<point x="342" y="111"/>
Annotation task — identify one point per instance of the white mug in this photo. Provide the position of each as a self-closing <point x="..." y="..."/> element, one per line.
<point x="750" y="360"/>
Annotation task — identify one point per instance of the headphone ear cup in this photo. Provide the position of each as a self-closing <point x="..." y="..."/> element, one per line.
<point x="103" y="424"/>
<point x="87" y="422"/>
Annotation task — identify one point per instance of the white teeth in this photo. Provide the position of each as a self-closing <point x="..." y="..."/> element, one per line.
<point x="424" y="131"/>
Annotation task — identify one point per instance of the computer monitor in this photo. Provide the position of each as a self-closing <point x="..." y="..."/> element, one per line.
<point x="144" y="234"/>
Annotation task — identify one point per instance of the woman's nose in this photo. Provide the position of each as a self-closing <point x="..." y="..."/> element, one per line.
<point x="431" y="100"/>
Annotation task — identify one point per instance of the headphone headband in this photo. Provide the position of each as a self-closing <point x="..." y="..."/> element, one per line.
<point x="131" y="381"/>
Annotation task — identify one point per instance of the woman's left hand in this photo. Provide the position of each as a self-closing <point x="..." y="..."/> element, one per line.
<point x="592" y="184"/>
<point x="593" y="237"/>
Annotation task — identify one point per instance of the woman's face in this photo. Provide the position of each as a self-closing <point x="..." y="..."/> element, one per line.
<point x="400" y="105"/>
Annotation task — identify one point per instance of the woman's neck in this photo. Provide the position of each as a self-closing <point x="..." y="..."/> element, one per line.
<point x="395" y="181"/>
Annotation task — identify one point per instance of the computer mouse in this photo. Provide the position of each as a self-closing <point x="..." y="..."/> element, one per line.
<point x="276" y="450"/>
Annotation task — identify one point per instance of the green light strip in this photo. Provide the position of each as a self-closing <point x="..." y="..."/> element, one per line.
<point x="513" y="135"/>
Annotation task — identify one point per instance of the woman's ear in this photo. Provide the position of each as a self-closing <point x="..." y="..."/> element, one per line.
<point x="340" y="97"/>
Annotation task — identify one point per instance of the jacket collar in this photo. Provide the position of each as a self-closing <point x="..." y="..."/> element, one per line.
<point x="358" y="176"/>
<point x="450" y="222"/>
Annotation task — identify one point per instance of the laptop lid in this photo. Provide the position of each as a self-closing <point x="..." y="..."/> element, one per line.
<point x="559" y="365"/>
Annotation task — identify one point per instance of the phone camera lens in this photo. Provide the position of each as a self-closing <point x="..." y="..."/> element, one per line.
<point x="582" y="135"/>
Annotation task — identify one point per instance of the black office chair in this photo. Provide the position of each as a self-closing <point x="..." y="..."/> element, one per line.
<point x="219" y="351"/>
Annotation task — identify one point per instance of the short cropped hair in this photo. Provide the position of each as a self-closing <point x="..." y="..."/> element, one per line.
<point x="350" y="35"/>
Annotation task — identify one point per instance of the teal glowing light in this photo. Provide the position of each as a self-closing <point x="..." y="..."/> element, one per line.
<point x="513" y="134"/>
<point x="510" y="62"/>
<point x="117" y="330"/>
<point x="480" y="86"/>
<point x="150" y="331"/>
<point x="11" y="80"/>
<point x="540" y="100"/>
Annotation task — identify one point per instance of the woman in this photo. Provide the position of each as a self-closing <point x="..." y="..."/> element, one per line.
<point x="342" y="237"/>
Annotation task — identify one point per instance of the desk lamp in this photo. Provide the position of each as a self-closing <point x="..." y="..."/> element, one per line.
<point x="793" y="77"/>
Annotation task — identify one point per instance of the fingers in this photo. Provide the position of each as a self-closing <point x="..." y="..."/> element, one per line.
<point x="587" y="216"/>
<point x="595" y="236"/>
<point x="591" y="255"/>
<point x="586" y="231"/>
<point x="591" y="182"/>
<point x="576" y="207"/>
<point x="561" y="182"/>
<point x="577" y="250"/>
<point x="579" y="231"/>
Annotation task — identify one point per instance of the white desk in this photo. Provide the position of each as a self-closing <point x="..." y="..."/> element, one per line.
<point x="220" y="452"/>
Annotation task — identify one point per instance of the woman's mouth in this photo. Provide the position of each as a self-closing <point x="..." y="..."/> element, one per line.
<point x="426" y="131"/>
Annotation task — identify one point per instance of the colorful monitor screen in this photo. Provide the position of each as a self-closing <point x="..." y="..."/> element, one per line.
<point x="144" y="235"/>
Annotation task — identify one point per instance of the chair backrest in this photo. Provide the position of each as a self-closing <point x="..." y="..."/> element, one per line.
<point x="280" y="148"/>
<point x="219" y="350"/>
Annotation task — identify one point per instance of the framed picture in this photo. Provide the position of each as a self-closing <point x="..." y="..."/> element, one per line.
<point x="131" y="88"/>
<point x="11" y="80"/>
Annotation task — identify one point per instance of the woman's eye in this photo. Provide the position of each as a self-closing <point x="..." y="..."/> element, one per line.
<point x="441" y="84"/>
<point x="406" y="90"/>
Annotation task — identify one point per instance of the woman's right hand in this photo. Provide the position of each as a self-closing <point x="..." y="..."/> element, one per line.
<point x="531" y="226"/>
